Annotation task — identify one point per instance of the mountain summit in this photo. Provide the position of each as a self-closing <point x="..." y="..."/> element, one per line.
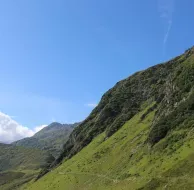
<point x="140" y="136"/>
<point x="50" y="138"/>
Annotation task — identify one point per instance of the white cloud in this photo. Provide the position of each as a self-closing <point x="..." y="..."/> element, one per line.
<point x="91" y="105"/>
<point x="11" y="131"/>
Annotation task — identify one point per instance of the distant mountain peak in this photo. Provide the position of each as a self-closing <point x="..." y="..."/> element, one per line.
<point x="54" y="124"/>
<point x="50" y="138"/>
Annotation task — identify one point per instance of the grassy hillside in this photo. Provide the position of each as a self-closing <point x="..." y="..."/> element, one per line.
<point x="167" y="84"/>
<point x="19" y="164"/>
<point x="51" y="138"/>
<point x="140" y="136"/>
<point x="125" y="161"/>
<point x="24" y="159"/>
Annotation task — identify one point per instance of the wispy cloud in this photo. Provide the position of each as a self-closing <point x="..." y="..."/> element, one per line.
<point x="91" y="105"/>
<point x="11" y="131"/>
<point x="166" y="9"/>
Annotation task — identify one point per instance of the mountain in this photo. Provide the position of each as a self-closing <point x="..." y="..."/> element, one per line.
<point x="19" y="164"/>
<point x="50" y="138"/>
<point x="22" y="160"/>
<point x="140" y="136"/>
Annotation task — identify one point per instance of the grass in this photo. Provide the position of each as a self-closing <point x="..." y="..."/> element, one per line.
<point x="19" y="165"/>
<point x="20" y="158"/>
<point x="124" y="162"/>
<point x="138" y="137"/>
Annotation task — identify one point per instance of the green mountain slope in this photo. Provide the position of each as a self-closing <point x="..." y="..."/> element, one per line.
<point x="19" y="164"/>
<point x="125" y="161"/>
<point x="50" y="138"/>
<point x="167" y="84"/>
<point x="140" y="136"/>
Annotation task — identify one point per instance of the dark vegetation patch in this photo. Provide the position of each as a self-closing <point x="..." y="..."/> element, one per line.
<point x="182" y="116"/>
<point x="7" y="177"/>
<point x="148" y="111"/>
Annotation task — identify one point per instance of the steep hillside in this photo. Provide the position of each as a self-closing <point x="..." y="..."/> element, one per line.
<point x="19" y="164"/>
<point x="166" y="84"/>
<point x="51" y="138"/>
<point x="140" y="136"/>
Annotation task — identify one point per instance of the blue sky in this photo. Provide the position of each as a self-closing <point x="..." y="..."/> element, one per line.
<point x="57" y="58"/>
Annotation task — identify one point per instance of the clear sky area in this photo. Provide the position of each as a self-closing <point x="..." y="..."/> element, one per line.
<point x="57" y="58"/>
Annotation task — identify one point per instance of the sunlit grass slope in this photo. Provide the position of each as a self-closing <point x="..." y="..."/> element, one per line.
<point x="125" y="161"/>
